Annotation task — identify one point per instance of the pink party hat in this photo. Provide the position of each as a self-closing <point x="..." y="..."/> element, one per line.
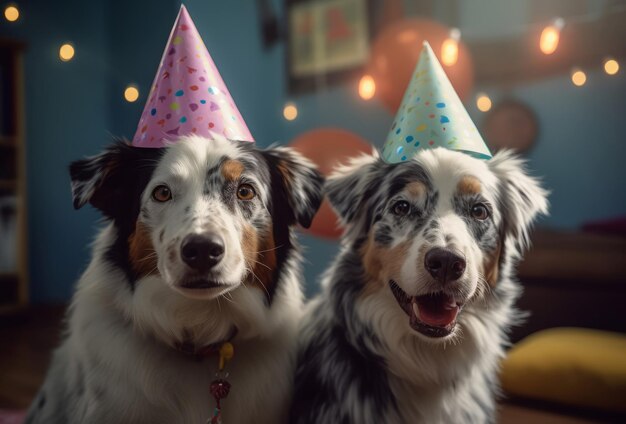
<point x="188" y="95"/>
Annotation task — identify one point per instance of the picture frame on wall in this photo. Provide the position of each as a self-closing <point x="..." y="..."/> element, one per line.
<point x="326" y="39"/>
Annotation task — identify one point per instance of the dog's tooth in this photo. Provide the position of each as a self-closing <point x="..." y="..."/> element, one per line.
<point x="415" y="310"/>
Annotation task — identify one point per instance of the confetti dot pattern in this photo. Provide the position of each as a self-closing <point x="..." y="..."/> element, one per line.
<point x="431" y="108"/>
<point x="187" y="89"/>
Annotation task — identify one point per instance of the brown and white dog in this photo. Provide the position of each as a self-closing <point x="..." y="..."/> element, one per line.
<point x="198" y="249"/>
<point x="412" y="321"/>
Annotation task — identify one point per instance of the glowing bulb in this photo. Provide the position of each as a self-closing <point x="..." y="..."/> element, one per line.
<point x="66" y="52"/>
<point x="450" y="48"/>
<point x="483" y="102"/>
<point x="290" y="112"/>
<point x="12" y="13"/>
<point x="611" y="66"/>
<point x="550" y="36"/>
<point x="578" y="77"/>
<point x="367" y="87"/>
<point x="131" y="94"/>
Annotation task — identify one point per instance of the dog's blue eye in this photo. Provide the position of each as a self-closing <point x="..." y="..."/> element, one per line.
<point x="162" y="193"/>
<point x="480" y="212"/>
<point x="401" y="208"/>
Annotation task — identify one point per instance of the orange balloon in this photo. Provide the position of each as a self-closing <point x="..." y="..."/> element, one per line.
<point x="394" y="56"/>
<point x="328" y="147"/>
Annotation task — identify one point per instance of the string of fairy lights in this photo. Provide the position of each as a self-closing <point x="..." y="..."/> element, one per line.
<point x="548" y="44"/>
<point x="67" y="52"/>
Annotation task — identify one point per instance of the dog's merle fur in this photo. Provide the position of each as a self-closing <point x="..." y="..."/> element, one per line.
<point x="360" y="358"/>
<point x="135" y="327"/>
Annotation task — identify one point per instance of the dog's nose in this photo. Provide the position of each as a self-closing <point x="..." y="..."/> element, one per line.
<point x="444" y="265"/>
<point x="202" y="252"/>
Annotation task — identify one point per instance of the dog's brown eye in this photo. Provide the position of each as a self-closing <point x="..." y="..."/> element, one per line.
<point x="480" y="212"/>
<point x="401" y="208"/>
<point x="162" y="193"/>
<point x="246" y="192"/>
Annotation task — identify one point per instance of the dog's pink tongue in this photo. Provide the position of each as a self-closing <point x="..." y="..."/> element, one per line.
<point x="438" y="310"/>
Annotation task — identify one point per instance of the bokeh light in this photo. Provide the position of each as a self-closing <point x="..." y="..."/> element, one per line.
<point x="550" y="36"/>
<point x="11" y="13"/>
<point x="367" y="87"/>
<point x="131" y="93"/>
<point x="483" y="102"/>
<point x="611" y="66"/>
<point x="450" y="48"/>
<point x="290" y="112"/>
<point x="66" y="52"/>
<point x="578" y="77"/>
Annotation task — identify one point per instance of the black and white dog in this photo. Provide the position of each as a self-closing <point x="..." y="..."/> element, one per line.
<point x="412" y="321"/>
<point x="198" y="249"/>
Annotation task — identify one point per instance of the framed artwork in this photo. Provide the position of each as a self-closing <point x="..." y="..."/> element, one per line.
<point x="326" y="38"/>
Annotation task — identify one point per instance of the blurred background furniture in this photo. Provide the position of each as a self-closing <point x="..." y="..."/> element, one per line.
<point x="573" y="279"/>
<point x="576" y="367"/>
<point x="575" y="374"/>
<point x="13" y="262"/>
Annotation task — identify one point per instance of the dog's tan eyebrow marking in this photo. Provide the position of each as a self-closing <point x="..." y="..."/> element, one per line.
<point x="468" y="185"/>
<point x="232" y="169"/>
<point x="141" y="251"/>
<point x="260" y="254"/>
<point x="416" y="188"/>
<point x="380" y="261"/>
<point x="491" y="266"/>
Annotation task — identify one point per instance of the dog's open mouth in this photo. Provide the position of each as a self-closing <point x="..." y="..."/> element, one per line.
<point x="433" y="314"/>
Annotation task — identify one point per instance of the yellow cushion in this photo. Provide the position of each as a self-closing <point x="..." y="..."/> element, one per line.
<point x="575" y="366"/>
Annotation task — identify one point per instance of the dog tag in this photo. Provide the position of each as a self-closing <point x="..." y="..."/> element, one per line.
<point x="219" y="389"/>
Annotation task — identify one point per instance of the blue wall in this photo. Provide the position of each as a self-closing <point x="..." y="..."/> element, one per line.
<point x="581" y="149"/>
<point x="74" y="107"/>
<point x="67" y="117"/>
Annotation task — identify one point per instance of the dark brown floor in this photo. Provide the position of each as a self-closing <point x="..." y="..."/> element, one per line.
<point x="27" y="339"/>
<point x="516" y="414"/>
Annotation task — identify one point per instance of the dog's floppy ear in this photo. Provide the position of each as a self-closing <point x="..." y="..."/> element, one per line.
<point x="522" y="198"/>
<point x="296" y="183"/>
<point x="348" y="186"/>
<point x="113" y="180"/>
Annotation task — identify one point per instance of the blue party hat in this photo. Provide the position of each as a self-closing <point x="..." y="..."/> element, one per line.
<point x="431" y="115"/>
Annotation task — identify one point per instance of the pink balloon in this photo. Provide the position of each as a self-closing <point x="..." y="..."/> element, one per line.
<point x="328" y="147"/>
<point x="394" y="55"/>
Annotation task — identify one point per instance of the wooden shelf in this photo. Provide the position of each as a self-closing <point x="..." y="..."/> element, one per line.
<point x="11" y="309"/>
<point x="14" y="283"/>
<point x="568" y="257"/>
<point x="7" y="141"/>
<point x="8" y="184"/>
